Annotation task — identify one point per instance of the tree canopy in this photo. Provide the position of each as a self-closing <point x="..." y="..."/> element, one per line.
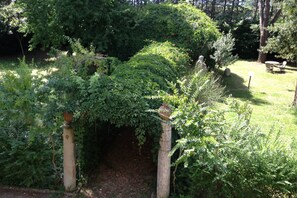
<point x="283" y="40"/>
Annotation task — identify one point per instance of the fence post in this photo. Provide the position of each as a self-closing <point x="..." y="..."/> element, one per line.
<point x="163" y="173"/>
<point x="295" y="97"/>
<point x="69" y="156"/>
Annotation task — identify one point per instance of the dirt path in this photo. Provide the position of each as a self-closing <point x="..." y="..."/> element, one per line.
<point x="124" y="172"/>
<point x="13" y="192"/>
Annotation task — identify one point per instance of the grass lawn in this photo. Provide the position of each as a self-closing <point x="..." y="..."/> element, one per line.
<point x="8" y="64"/>
<point x="270" y="95"/>
<point x="12" y="63"/>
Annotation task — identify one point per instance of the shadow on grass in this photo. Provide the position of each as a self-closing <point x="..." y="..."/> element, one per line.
<point x="235" y="86"/>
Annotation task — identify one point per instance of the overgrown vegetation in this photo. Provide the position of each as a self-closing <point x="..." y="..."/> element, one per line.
<point x="220" y="154"/>
<point x="120" y="30"/>
<point x="217" y="153"/>
<point x="182" y="24"/>
<point x="29" y="141"/>
<point x="81" y="85"/>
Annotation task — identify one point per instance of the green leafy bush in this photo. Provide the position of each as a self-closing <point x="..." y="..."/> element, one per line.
<point x="223" y="48"/>
<point x="29" y="143"/>
<point x="182" y="24"/>
<point x="118" y="29"/>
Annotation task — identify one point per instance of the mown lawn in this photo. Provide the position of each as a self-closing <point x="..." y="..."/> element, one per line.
<point x="11" y="63"/>
<point x="8" y="64"/>
<point x="270" y="95"/>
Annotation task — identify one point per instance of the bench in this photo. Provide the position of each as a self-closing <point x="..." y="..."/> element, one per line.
<point x="271" y="64"/>
<point x="282" y="66"/>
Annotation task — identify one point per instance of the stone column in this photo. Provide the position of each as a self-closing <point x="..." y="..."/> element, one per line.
<point x="163" y="174"/>
<point x="69" y="157"/>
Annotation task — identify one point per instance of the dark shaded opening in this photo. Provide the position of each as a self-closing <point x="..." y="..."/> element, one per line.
<point x="124" y="169"/>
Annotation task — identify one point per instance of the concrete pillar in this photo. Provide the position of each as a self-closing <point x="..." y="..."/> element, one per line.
<point x="163" y="173"/>
<point x="69" y="158"/>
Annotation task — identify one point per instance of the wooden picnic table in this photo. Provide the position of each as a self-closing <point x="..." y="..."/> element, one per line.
<point x="270" y="65"/>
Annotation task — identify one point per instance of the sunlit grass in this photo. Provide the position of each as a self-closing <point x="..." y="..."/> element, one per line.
<point x="270" y="95"/>
<point x="11" y="64"/>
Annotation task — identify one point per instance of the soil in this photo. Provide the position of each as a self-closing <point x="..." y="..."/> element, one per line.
<point x="13" y="192"/>
<point x="126" y="171"/>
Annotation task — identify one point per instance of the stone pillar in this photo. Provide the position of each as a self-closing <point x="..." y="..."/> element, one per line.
<point x="69" y="157"/>
<point x="163" y="174"/>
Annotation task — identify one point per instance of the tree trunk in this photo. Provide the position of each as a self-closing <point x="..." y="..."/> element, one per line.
<point x="264" y="10"/>
<point x="232" y="11"/>
<point x="255" y="9"/>
<point x="225" y="4"/>
<point x="213" y="9"/>
<point x="20" y="39"/>
<point x="206" y="7"/>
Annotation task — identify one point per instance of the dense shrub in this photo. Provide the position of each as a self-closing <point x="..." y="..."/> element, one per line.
<point x="223" y="48"/>
<point x="182" y="24"/>
<point x="118" y="29"/>
<point x="30" y="146"/>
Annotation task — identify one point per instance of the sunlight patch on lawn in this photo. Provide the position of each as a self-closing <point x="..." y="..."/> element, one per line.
<point x="270" y="95"/>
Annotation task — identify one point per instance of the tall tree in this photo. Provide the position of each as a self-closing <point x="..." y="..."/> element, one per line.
<point x="283" y="39"/>
<point x="11" y="16"/>
<point x="265" y="19"/>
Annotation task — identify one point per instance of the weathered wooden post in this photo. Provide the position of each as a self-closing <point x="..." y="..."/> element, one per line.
<point x="163" y="174"/>
<point x="68" y="154"/>
<point x="295" y="97"/>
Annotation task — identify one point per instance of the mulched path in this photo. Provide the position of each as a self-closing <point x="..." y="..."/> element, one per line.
<point x="125" y="170"/>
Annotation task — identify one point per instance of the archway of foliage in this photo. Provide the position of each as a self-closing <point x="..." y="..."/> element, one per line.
<point x="32" y="106"/>
<point x="117" y="93"/>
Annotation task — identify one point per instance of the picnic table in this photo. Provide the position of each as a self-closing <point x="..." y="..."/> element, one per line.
<point x="270" y="65"/>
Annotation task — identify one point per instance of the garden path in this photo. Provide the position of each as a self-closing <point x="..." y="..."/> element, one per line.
<point x="125" y="171"/>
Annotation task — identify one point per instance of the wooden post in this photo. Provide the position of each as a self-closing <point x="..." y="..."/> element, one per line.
<point x="69" y="157"/>
<point x="163" y="173"/>
<point x="295" y="97"/>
